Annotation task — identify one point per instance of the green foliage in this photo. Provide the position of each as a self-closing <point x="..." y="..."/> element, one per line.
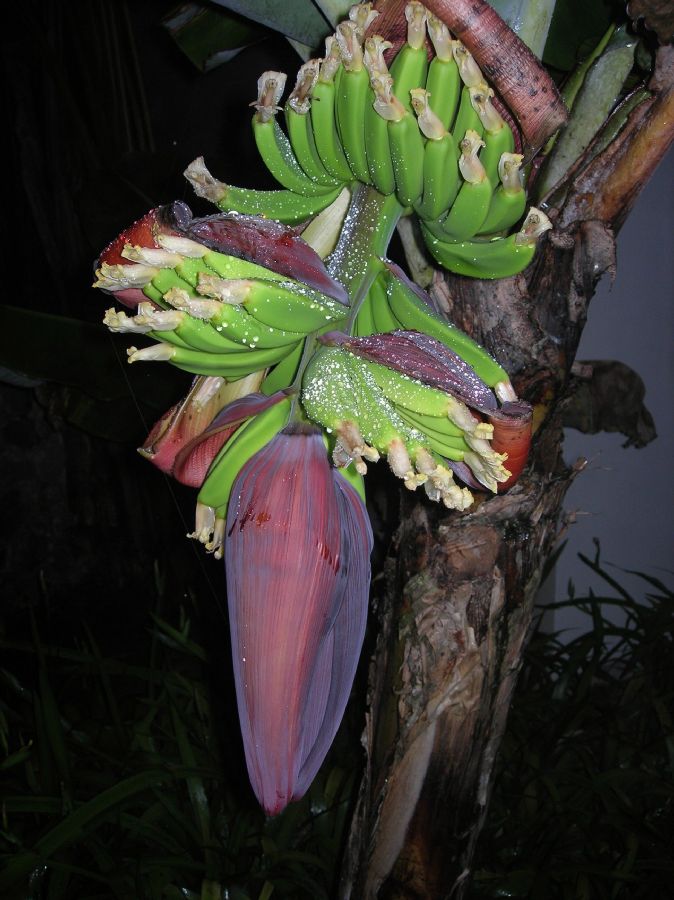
<point x="118" y="782"/>
<point x="122" y="775"/>
<point x="583" y="805"/>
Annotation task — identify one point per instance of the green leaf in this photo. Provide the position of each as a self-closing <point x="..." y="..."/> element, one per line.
<point x="71" y="828"/>
<point x="529" y="19"/>
<point x="209" y="36"/>
<point x="576" y="27"/>
<point x="334" y="10"/>
<point x="299" y="20"/>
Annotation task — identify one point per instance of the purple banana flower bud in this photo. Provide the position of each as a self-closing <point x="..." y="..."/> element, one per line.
<point x="262" y="241"/>
<point x="297" y="560"/>
<point x="427" y="360"/>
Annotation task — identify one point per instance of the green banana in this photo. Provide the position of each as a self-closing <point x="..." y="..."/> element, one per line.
<point x="498" y="258"/>
<point x="442" y="82"/>
<point x="284" y="372"/>
<point x="408" y="393"/>
<point x="414" y="314"/>
<point x="466" y="118"/>
<point x="273" y="145"/>
<point x="232" y="318"/>
<point x="497" y="135"/>
<point x="227" y="365"/>
<point x="471" y="205"/>
<point x="322" y="113"/>
<point x="353" y="95"/>
<point x="405" y="142"/>
<point x="375" y="127"/>
<point x="246" y="441"/>
<point x="279" y="303"/>
<point x="282" y="206"/>
<point x="414" y="398"/>
<point x="410" y="65"/>
<point x="298" y="123"/>
<point x="329" y="398"/>
<point x="382" y="317"/>
<point x="224" y="266"/>
<point x="229" y="310"/>
<point x="509" y="200"/>
<point x="195" y="333"/>
<point x="442" y="426"/>
<point x="364" y="323"/>
<point x="440" y="165"/>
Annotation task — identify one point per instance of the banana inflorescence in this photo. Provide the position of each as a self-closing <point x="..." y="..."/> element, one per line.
<point x="430" y="133"/>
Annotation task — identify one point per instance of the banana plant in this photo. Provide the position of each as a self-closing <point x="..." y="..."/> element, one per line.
<point x="441" y="114"/>
<point x="242" y="294"/>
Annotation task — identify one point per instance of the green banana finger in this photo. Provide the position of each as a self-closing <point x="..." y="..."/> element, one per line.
<point x="497" y="136"/>
<point x="195" y="333"/>
<point x="246" y="441"/>
<point x="282" y="206"/>
<point x="498" y="258"/>
<point x="509" y="200"/>
<point x="277" y="303"/>
<point x="364" y="323"/>
<point x="413" y="313"/>
<point x="353" y="95"/>
<point x="448" y="451"/>
<point x="466" y="118"/>
<point x="228" y="317"/>
<point x="224" y="266"/>
<point x="436" y="439"/>
<point x="408" y="393"/>
<point x="383" y="318"/>
<point x="322" y="113"/>
<point x="405" y="142"/>
<point x="440" y="165"/>
<point x="376" y="130"/>
<point x="284" y="372"/>
<point x="273" y="145"/>
<point x="298" y="123"/>
<point x="226" y="365"/>
<point x="471" y="206"/>
<point x="442" y="82"/>
<point x="410" y="65"/>
<point x="439" y="425"/>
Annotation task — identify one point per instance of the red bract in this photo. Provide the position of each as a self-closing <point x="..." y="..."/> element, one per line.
<point x="142" y="233"/>
<point x="185" y="441"/>
<point x="512" y="435"/>
<point x="297" y="552"/>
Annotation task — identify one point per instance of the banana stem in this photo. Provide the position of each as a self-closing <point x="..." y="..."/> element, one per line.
<point x="367" y="230"/>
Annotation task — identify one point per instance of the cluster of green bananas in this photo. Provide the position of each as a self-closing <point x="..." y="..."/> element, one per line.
<point x="423" y="137"/>
<point x="215" y="314"/>
<point x="428" y="133"/>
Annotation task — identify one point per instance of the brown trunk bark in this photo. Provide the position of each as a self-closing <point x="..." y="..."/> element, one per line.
<point x="458" y="597"/>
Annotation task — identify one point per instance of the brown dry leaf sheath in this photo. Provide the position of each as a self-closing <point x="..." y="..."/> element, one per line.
<point x="506" y="61"/>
